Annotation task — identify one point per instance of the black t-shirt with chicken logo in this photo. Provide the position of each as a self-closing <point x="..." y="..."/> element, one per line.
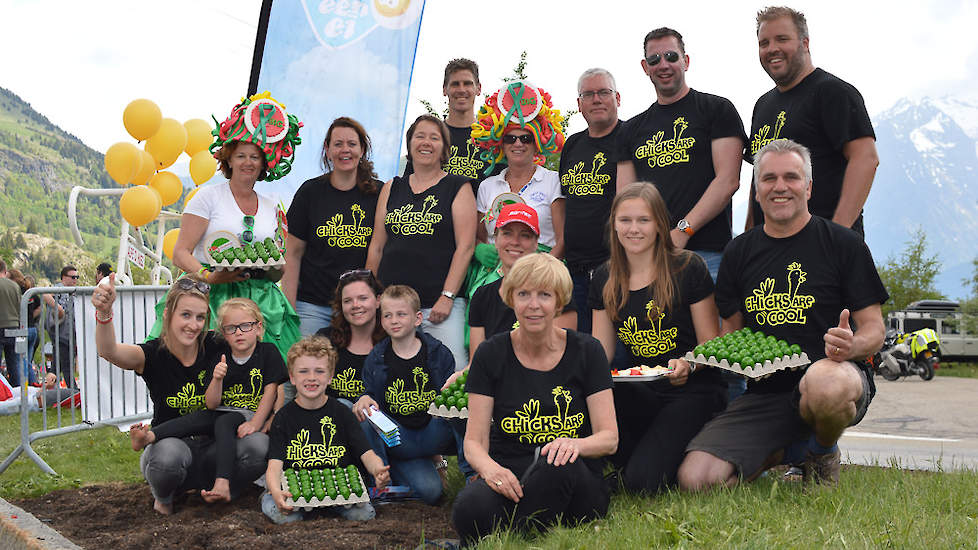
<point x="794" y="288"/>
<point x="327" y="437"/>
<point x="244" y="385"/>
<point x="175" y="389"/>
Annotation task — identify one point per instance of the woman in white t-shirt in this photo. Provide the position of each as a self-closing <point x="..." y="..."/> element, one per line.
<point x="245" y="155"/>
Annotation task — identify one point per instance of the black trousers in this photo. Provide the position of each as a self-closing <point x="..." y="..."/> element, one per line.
<point x="654" y="427"/>
<point x="222" y="425"/>
<point x="551" y="494"/>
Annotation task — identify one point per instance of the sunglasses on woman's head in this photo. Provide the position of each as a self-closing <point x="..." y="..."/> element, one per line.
<point x="510" y="139"/>
<point x="186" y="283"/>
<point x="356" y="274"/>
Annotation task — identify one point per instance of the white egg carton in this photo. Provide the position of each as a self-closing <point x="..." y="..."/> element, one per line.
<point x="302" y="503"/>
<point x="756" y="371"/>
<point x="446" y="412"/>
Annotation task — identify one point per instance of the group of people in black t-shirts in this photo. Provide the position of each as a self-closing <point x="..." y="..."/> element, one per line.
<point x="379" y="274"/>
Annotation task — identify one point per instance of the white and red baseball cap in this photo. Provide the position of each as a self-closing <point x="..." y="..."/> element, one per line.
<point x="521" y="213"/>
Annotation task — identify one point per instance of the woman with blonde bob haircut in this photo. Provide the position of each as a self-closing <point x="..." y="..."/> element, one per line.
<point x="656" y="299"/>
<point x="539" y="399"/>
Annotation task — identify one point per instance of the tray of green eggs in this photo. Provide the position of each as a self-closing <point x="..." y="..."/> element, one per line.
<point x="749" y="353"/>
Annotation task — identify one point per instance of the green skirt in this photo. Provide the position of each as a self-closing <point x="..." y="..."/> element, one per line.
<point x="281" y="321"/>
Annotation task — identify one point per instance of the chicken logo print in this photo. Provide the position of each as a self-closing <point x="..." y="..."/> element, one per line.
<point x="534" y="428"/>
<point x="466" y="165"/>
<point x="186" y="400"/>
<point x="761" y="138"/>
<point x="779" y="308"/>
<point x="304" y="454"/>
<point x="648" y="343"/>
<point x="236" y="396"/>
<point x="346" y="236"/>
<point x="406" y="221"/>
<point x="662" y="152"/>
<point x="346" y="383"/>
<point x="405" y="402"/>
<point x="582" y="183"/>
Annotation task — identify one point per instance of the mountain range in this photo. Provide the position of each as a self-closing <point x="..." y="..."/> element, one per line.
<point x="928" y="152"/>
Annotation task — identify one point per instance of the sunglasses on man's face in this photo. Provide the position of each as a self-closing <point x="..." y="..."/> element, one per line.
<point x="186" y="283"/>
<point x="510" y="139"/>
<point x="655" y="58"/>
<point x="75" y="277"/>
<point x="248" y="234"/>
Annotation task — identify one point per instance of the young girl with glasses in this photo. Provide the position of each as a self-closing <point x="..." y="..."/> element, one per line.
<point x="240" y="394"/>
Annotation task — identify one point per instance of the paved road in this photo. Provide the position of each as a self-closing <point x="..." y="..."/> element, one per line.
<point x="930" y="425"/>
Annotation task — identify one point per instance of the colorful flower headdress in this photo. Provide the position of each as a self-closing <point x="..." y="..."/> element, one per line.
<point x="263" y="121"/>
<point x="518" y="105"/>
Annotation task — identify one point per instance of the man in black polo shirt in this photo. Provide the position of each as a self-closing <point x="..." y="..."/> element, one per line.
<point x="587" y="182"/>
<point x="812" y="107"/>
<point x="811" y="282"/>
<point x="462" y="88"/>
<point x="689" y="144"/>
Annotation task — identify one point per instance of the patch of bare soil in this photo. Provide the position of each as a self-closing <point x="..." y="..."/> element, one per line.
<point x="122" y="516"/>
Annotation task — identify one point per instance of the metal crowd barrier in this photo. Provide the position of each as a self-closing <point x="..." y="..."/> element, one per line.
<point x="108" y="395"/>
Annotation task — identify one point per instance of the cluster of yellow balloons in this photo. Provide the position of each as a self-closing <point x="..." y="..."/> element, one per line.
<point x="164" y="140"/>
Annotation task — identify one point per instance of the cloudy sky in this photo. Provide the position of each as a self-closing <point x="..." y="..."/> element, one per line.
<point x="80" y="63"/>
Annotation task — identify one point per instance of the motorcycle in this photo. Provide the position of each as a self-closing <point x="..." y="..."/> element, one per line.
<point x="917" y="353"/>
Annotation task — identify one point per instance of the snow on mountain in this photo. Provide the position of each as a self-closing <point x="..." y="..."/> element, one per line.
<point x="928" y="152"/>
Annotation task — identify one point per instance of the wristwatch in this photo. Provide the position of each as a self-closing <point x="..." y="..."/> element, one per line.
<point x="684" y="226"/>
<point x="449" y="295"/>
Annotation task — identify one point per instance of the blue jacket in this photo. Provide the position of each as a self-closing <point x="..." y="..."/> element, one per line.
<point x="440" y="365"/>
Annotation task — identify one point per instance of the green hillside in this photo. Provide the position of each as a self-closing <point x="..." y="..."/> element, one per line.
<point x="39" y="164"/>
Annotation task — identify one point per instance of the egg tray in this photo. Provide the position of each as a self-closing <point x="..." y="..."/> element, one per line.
<point x="248" y="264"/>
<point x="757" y="371"/>
<point x="303" y="504"/>
<point x="448" y="412"/>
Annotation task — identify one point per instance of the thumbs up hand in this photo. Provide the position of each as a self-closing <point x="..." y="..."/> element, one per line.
<point x="221" y="369"/>
<point x="838" y="340"/>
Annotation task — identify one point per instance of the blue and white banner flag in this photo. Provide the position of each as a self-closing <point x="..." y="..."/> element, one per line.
<point x="328" y="58"/>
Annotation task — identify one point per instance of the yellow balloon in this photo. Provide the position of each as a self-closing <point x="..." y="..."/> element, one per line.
<point x="169" y="241"/>
<point x="167" y="143"/>
<point x="198" y="135"/>
<point x="139" y="205"/>
<point x="189" y="196"/>
<point x="141" y="118"/>
<point x="146" y="168"/>
<point x="202" y="167"/>
<point x="156" y="197"/>
<point x="121" y="162"/>
<point x="168" y="185"/>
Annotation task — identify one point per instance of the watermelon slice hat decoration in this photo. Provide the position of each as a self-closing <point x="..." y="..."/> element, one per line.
<point x="263" y="121"/>
<point x="522" y="105"/>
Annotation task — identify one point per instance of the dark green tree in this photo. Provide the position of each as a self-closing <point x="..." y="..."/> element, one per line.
<point x="910" y="276"/>
<point x="970" y="306"/>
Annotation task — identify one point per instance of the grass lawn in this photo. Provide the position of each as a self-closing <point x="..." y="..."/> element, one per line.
<point x="873" y="507"/>
<point x="960" y="370"/>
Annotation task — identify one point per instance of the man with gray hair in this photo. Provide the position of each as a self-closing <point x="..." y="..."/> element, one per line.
<point x="587" y="181"/>
<point x="822" y="112"/>
<point x="811" y="282"/>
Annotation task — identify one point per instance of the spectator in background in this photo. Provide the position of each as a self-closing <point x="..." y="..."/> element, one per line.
<point x="102" y="271"/>
<point x="9" y="319"/>
<point x="62" y="332"/>
<point x="33" y="313"/>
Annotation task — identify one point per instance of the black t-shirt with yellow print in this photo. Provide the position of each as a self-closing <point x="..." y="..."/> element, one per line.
<point x="327" y="437"/>
<point x="653" y="334"/>
<point x="671" y="146"/>
<point x="175" y="389"/>
<point x="588" y="174"/>
<point x="244" y="385"/>
<point x="464" y="158"/>
<point x="337" y="227"/>
<point x="348" y="380"/>
<point x="409" y="389"/>
<point x="795" y="287"/>
<point x="531" y="408"/>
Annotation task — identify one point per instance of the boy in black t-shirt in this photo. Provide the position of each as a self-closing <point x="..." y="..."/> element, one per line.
<point x="401" y="377"/>
<point x="800" y="278"/>
<point x="315" y="431"/>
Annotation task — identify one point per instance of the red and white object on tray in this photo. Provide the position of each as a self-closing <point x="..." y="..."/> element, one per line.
<point x="641" y="373"/>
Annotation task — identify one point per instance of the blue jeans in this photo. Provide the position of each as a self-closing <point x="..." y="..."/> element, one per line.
<point x="10" y="358"/>
<point x="582" y="287"/>
<point x="312" y="317"/>
<point x="31" y="348"/>
<point x="736" y="385"/>
<point x="361" y="511"/>
<point x="450" y="332"/>
<point x="410" y="461"/>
